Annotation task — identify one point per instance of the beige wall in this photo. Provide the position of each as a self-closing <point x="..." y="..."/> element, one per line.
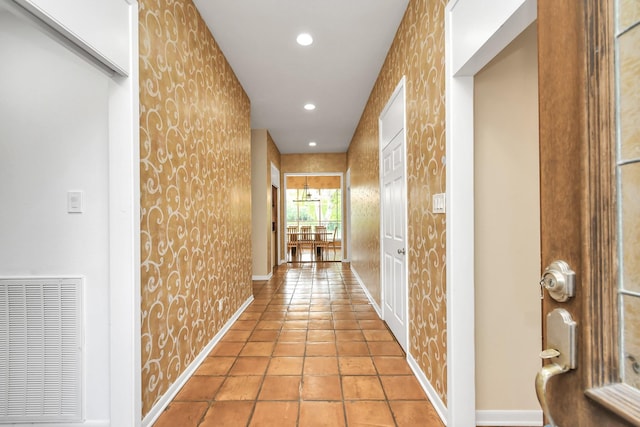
<point x="260" y="247"/>
<point x="195" y="174"/>
<point x="417" y="53"/>
<point x="273" y="157"/>
<point x="507" y="224"/>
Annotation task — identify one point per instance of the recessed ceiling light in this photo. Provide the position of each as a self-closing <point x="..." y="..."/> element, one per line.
<point x="304" y="39"/>
<point x="309" y="107"/>
<point x="312" y="144"/>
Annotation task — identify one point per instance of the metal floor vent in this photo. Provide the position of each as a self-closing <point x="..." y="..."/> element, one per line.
<point x="40" y="350"/>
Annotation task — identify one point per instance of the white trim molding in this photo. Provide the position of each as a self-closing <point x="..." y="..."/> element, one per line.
<point x="475" y="32"/>
<point x="431" y="393"/>
<point x="373" y="302"/>
<point x="168" y="396"/>
<point x="261" y="278"/>
<point x="509" y="418"/>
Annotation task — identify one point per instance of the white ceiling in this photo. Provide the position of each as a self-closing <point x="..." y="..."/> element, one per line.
<point x="337" y="72"/>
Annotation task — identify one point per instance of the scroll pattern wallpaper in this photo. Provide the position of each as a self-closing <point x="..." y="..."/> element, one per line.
<point x="195" y="174"/>
<point x="417" y="53"/>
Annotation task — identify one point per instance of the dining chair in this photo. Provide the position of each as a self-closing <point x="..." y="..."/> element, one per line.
<point x="321" y="243"/>
<point x="292" y="239"/>
<point x="306" y="238"/>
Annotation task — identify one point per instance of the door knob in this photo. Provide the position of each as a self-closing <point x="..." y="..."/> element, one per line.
<point x="401" y="251"/>
<point x="561" y="352"/>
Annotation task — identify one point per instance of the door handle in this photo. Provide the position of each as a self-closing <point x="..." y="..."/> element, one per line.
<point x="402" y="251"/>
<point x="561" y="352"/>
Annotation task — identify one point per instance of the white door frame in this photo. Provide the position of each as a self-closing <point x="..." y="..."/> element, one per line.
<point x="401" y="87"/>
<point x="346" y="230"/>
<point x="475" y="32"/>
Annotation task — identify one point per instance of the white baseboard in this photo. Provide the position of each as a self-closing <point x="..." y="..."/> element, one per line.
<point x="373" y="302"/>
<point x="87" y="423"/>
<point x="509" y="418"/>
<point x="431" y="393"/>
<point x="168" y="396"/>
<point x="267" y="277"/>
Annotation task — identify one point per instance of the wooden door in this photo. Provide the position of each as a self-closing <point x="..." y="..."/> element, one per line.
<point x="578" y="205"/>
<point x="393" y="217"/>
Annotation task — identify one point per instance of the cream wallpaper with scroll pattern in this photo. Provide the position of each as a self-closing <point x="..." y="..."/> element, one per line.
<point x="417" y="53"/>
<point x="195" y="142"/>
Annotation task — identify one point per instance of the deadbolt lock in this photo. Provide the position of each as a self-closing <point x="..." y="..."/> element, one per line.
<point x="559" y="280"/>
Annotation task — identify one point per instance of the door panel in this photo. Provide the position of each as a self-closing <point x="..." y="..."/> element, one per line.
<point x="578" y="209"/>
<point x="394" y="286"/>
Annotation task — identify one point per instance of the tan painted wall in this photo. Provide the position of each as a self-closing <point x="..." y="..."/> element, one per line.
<point x="273" y="156"/>
<point x="507" y="221"/>
<point x="417" y="53"/>
<point x="260" y="248"/>
<point x="195" y="174"/>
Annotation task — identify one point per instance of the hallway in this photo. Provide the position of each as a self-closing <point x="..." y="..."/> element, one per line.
<point x="309" y="351"/>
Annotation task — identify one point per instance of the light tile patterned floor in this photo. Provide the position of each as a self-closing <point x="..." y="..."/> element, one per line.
<point x="309" y="351"/>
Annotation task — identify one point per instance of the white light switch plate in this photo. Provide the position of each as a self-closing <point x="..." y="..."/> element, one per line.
<point x="74" y="202"/>
<point x="439" y="203"/>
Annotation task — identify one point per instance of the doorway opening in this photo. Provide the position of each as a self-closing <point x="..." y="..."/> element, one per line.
<point x="313" y="205"/>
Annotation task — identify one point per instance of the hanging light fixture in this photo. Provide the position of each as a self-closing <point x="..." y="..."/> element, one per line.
<point x="306" y="194"/>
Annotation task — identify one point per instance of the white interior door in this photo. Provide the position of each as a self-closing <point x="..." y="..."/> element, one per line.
<point x="393" y="216"/>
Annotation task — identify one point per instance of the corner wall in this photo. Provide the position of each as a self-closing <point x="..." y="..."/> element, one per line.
<point x="195" y="154"/>
<point x="417" y="53"/>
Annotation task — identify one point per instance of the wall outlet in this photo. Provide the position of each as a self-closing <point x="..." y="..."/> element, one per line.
<point x="439" y="202"/>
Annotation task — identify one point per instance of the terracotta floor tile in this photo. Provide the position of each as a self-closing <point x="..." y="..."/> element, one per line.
<point x="215" y="365"/>
<point x="326" y="387"/>
<point x="244" y="325"/>
<point x="225" y="348"/>
<point x="346" y="324"/>
<point x="414" y="413"/>
<point x="280" y="388"/>
<point x="264" y="335"/>
<point x="285" y="366"/>
<point x="240" y="388"/>
<point x="274" y="315"/>
<point x="385" y="348"/>
<point x="356" y="366"/>
<point x="321" y="315"/>
<point x="298" y="315"/>
<point x="362" y="388"/>
<point x="373" y="324"/>
<point x="322" y="414"/>
<point x="236" y="336"/>
<point x="377" y="335"/>
<point x="321" y="366"/>
<point x="228" y="414"/>
<point x="321" y="335"/>
<point x="250" y="315"/>
<point x="200" y="388"/>
<point x="347" y="335"/>
<point x="392" y="365"/>
<point x="356" y="348"/>
<point x="275" y="414"/>
<point x="292" y="335"/>
<point x="344" y="315"/>
<point x="364" y="307"/>
<point x="368" y="413"/>
<point x="289" y="349"/>
<point x="183" y="414"/>
<point x="321" y="349"/>
<point x="402" y="387"/>
<point x="250" y="365"/>
<point x="269" y="325"/>
<point x="320" y="324"/>
<point x="257" y="349"/>
<point x="295" y="324"/>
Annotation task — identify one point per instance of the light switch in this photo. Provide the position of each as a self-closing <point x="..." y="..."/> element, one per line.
<point x="74" y="202"/>
<point x="439" y="203"/>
